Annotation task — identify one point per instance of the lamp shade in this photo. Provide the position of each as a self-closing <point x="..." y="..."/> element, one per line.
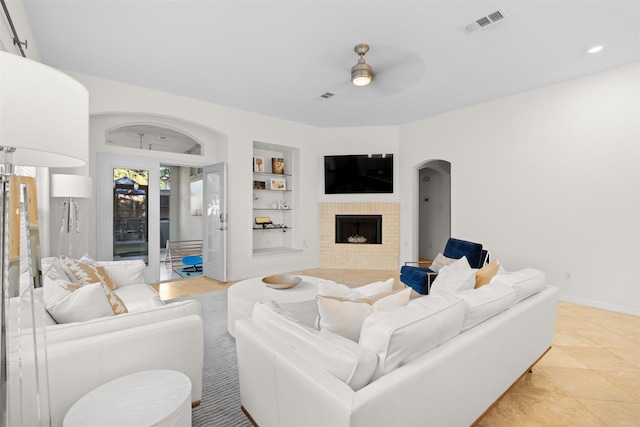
<point x="44" y="114"/>
<point x="76" y="186"/>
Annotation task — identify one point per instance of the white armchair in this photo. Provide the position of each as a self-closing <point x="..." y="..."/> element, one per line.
<point x="86" y="354"/>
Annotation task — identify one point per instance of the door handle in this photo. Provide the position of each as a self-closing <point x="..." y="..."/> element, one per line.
<point x="223" y="222"/>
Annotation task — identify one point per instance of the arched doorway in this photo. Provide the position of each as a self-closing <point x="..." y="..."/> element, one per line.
<point x="172" y="152"/>
<point x="434" y="208"/>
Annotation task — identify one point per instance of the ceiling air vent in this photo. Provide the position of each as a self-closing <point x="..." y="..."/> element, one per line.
<point x="485" y="21"/>
<point x="326" y="95"/>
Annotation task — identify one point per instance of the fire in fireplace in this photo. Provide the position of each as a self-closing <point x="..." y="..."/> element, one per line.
<point x="359" y="229"/>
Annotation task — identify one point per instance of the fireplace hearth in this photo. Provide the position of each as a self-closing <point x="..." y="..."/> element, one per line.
<point x="362" y="229"/>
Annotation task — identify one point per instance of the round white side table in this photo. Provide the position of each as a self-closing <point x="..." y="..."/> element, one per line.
<point x="147" y="398"/>
<point x="242" y="296"/>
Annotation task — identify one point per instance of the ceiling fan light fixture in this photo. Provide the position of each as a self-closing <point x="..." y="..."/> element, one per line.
<point x="361" y="73"/>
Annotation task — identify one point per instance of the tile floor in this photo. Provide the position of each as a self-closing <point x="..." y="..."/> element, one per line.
<point x="591" y="376"/>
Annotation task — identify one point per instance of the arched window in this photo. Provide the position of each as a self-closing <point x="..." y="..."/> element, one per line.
<point x="153" y="138"/>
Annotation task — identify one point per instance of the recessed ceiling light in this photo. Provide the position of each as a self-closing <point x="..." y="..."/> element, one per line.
<point x="594" y="49"/>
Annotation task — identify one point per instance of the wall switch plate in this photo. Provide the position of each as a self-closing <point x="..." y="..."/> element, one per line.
<point x="568" y="276"/>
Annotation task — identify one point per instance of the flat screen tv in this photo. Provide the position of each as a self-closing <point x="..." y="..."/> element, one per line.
<point x="358" y="173"/>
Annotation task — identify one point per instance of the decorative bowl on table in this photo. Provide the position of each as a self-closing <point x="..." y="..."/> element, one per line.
<point x="281" y="281"/>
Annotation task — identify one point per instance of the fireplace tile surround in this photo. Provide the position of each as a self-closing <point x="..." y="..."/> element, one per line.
<point x="357" y="256"/>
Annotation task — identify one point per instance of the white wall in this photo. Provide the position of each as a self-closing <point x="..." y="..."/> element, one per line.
<point x="523" y="177"/>
<point x="527" y="182"/>
<point x="190" y="227"/>
<point x="238" y="130"/>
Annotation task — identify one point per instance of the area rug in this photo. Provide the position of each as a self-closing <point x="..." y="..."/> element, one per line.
<point x="220" y="387"/>
<point x="187" y="272"/>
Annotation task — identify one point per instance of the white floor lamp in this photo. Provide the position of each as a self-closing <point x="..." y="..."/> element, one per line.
<point x="44" y="121"/>
<point x="70" y="187"/>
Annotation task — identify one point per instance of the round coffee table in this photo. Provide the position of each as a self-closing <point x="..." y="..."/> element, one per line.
<point x="242" y="296"/>
<point x="147" y="398"/>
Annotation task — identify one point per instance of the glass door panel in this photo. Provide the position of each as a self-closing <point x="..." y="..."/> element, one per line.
<point x="130" y="207"/>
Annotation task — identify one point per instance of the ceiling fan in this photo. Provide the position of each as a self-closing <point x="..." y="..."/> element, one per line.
<point x="386" y="71"/>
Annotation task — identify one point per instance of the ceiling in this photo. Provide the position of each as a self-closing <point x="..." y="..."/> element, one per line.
<point x="278" y="57"/>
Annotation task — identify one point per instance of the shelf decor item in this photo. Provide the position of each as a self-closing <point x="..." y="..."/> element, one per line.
<point x="259" y="185"/>
<point x="277" y="165"/>
<point x="263" y="220"/>
<point x="278" y="184"/>
<point x="258" y="164"/>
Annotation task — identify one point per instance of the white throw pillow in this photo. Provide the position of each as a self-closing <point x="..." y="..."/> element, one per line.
<point x="330" y="288"/>
<point x="342" y="358"/>
<point x="485" y="302"/>
<point x="458" y="276"/>
<point x="399" y="335"/>
<point x="54" y="291"/>
<point x="86" y="303"/>
<point x="524" y="282"/>
<point x="344" y="317"/>
<point x="441" y="261"/>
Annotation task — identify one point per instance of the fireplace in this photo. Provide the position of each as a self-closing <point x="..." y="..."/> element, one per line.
<point x="363" y="229"/>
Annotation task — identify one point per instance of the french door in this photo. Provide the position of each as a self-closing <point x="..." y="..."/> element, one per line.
<point x="132" y="211"/>
<point x="215" y="221"/>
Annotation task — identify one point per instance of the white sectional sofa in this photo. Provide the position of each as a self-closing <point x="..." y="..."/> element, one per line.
<point x="83" y="355"/>
<point x="441" y="360"/>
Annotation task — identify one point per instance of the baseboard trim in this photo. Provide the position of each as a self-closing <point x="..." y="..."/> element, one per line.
<point x="249" y="417"/>
<point x="601" y="306"/>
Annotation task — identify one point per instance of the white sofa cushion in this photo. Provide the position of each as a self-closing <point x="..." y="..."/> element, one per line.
<point x="524" y="282"/>
<point x="485" y="302"/>
<point x="458" y="276"/>
<point x="399" y="335"/>
<point x="104" y="325"/>
<point x="330" y="288"/>
<point x="344" y="316"/>
<point x="125" y="272"/>
<point x="341" y="357"/>
<point x="139" y="297"/>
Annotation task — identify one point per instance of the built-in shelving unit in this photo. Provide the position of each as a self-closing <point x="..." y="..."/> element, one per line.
<point x="273" y="199"/>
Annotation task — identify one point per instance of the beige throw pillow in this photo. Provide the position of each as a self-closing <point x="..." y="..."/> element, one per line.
<point x="344" y="317"/>
<point x="116" y="303"/>
<point x="486" y="273"/>
<point x="85" y="273"/>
